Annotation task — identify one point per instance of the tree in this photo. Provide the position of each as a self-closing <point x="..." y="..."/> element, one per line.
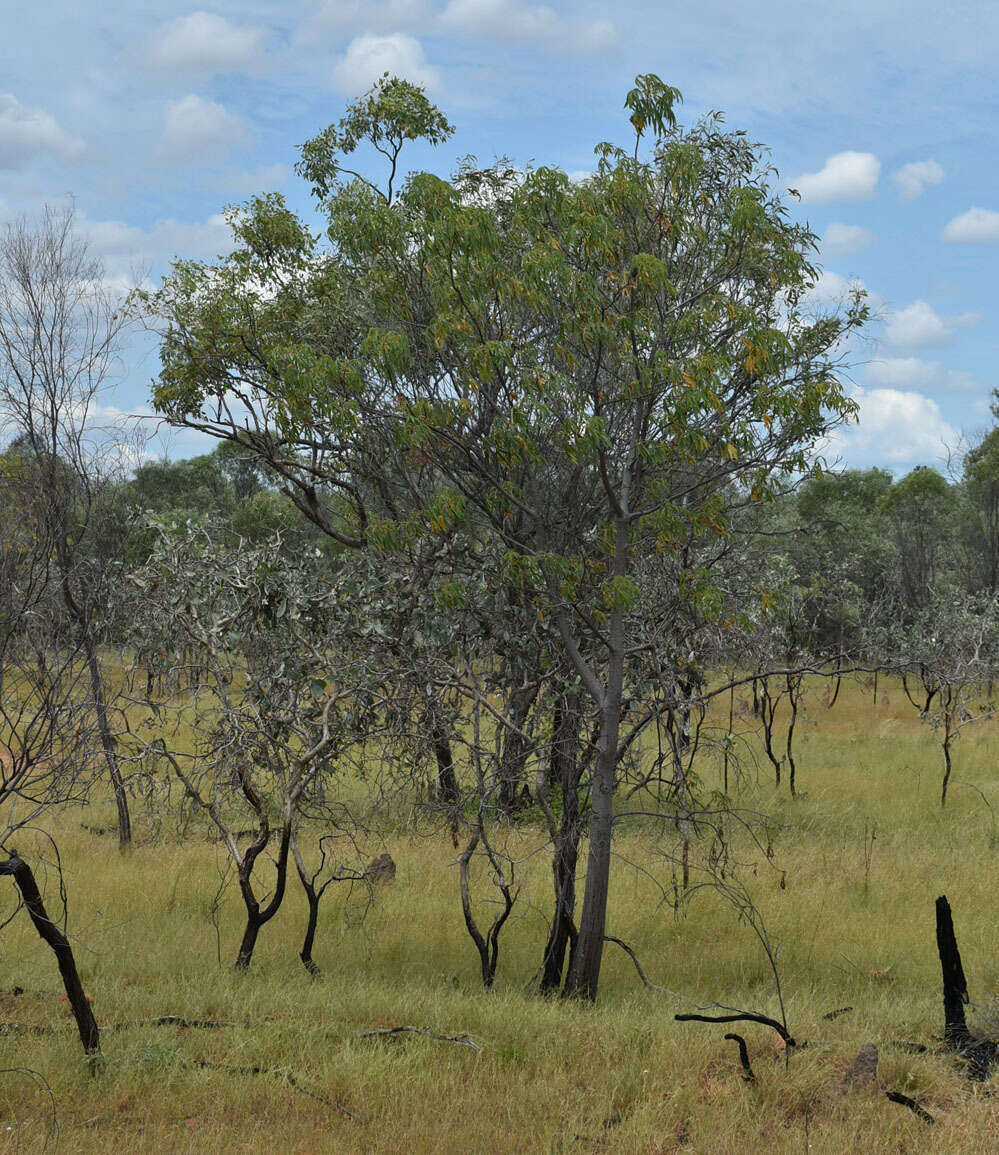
<point x="256" y="734"/>
<point x="60" y="334"/>
<point x="44" y="722"/>
<point x="920" y="509"/>
<point x="841" y="551"/>
<point x="45" y="719"/>
<point x="981" y="492"/>
<point x="589" y="381"/>
<point x="953" y="642"/>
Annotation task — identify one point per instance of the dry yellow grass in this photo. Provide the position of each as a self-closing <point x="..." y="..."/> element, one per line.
<point x="551" y="1077"/>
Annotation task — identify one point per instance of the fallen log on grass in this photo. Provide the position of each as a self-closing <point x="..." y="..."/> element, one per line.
<point x="395" y="1032"/>
<point x="280" y="1073"/>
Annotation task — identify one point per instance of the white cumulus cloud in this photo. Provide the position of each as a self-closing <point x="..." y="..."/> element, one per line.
<point x="840" y="240"/>
<point x="974" y="226"/>
<point x="29" y="132"/>
<point x="911" y="180"/>
<point x="896" y="427"/>
<point x="203" y="43"/>
<point x="119" y="243"/>
<point x="918" y="324"/>
<point x="847" y="176"/>
<point x="832" y="289"/>
<point x="242" y="183"/>
<point x="533" y="24"/>
<point x="338" y="16"/>
<point x="196" y="129"/>
<point x="368" y="57"/>
<point x="910" y="373"/>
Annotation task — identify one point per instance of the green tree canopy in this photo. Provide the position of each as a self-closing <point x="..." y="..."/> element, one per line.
<point x="583" y="382"/>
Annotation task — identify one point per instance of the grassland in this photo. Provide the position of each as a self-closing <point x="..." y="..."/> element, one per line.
<point x="854" y="920"/>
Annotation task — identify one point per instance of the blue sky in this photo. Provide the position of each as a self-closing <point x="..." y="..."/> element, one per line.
<point x="883" y="113"/>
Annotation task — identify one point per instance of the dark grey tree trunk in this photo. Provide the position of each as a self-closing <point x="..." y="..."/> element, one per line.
<point x="305" y="954"/>
<point x="955" y="986"/>
<point x="249" y="940"/>
<point x="768" y="712"/>
<point x="313" y="894"/>
<point x="839" y="676"/>
<point x="25" y="882"/>
<point x="256" y="916"/>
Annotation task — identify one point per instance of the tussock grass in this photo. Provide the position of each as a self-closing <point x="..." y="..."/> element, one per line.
<point x="855" y="926"/>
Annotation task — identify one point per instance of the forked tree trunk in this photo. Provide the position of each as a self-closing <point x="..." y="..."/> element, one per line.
<point x="256" y="916"/>
<point x="584" y="971"/>
<point x="25" y="882"/>
<point x="584" y="974"/>
<point x="486" y="944"/>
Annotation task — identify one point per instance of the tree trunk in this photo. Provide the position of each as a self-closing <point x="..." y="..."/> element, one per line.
<point x="584" y="971"/>
<point x="793" y="693"/>
<point x="253" y="925"/>
<point x="839" y="678"/>
<point x="947" y="768"/>
<point x="447" y="783"/>
<point x="584" y="975"/>
<point x="955" y="986"/>
<point x="108" y="743"/>
<point x="486" y="944"/>
<point x="305" y="954"/>
<point x="514" y="756"/>
<point x="255" y="917"/>
<point x="768" y="712"/>
<point x="565" y="769"/>
<point x="25" y="882"/>
<point x="80" y="616"/>
<point x="312" y="897"/>
<point x="728" y="737"/>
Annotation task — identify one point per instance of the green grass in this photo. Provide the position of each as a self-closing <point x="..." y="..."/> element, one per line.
<point x="849" y="934"/>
